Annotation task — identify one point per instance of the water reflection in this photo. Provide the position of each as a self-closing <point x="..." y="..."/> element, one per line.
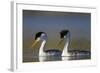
<point x="55" y="58"/>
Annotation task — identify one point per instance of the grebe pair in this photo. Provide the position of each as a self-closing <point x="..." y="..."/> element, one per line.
<point x="64" y="35"/>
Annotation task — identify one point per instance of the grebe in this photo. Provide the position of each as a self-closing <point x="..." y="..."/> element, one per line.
<point x="67" y="53"/>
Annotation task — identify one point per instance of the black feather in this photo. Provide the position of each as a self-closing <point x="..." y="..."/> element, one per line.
<point x="38" y="35"/>
<point x="63" y="33"/>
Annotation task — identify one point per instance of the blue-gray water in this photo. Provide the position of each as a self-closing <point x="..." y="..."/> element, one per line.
<point x="55" y="58"/>
<point x="51" y="22"/>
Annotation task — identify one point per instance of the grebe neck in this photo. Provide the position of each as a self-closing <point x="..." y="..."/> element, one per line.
<point x="65" y="49"/>
<point x="41" y="50"/>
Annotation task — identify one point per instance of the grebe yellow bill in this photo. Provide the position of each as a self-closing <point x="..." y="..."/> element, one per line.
<point x="35" y="42"/>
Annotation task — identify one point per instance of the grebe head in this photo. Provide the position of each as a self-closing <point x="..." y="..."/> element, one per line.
<point x="40" y="36"/>
<point x="64" y="34"/>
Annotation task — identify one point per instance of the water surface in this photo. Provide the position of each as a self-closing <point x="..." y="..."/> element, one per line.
<point x="31" y="57"/>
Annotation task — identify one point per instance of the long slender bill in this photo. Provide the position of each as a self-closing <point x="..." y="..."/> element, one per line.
<point x="36" y="41"/>
<point x="60" y="42"/>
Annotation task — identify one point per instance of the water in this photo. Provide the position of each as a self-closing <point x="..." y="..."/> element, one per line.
<point x="54" y="58"/>
<point x="32" y="56"/>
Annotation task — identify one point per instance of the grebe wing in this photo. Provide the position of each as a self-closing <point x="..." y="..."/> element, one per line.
<point x="55" y="52"/>
<point x="79" y="52"/>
